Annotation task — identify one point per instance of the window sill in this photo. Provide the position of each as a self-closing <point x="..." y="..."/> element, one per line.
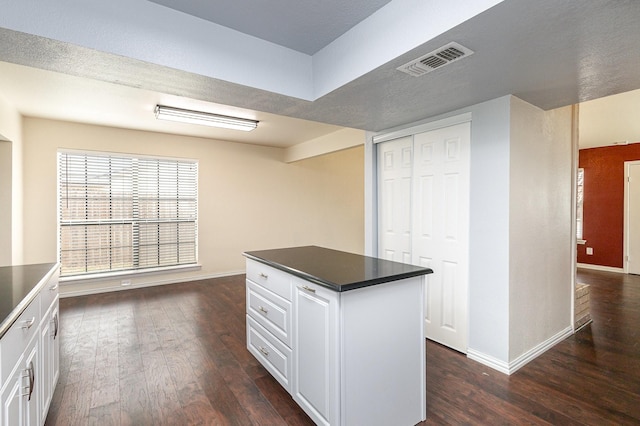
<point x="582" y="241"/>
<point x="127" y="274"/>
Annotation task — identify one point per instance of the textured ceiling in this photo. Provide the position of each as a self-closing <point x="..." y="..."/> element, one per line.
<point x="305" y="26"/>
<point x="548" y="53"/>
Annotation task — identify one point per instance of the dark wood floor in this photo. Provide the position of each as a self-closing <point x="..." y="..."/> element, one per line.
<point x="175" y="355"/>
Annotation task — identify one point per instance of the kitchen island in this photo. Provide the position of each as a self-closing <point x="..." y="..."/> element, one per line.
<point x="341" y="332"/>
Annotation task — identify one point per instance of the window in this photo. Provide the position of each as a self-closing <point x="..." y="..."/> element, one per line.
<point x="580" y="202"/>
<point x="125" y="213"/>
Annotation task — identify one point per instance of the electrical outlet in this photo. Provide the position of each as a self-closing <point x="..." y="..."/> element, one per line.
<point x="589" y="250"/>
<point x="125" y="282"/>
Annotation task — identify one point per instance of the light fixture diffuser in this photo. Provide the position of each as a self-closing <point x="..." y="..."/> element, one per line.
<point x="204" y="118"/>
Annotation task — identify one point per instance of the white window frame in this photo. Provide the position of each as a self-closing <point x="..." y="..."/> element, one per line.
<point x="149" y="207"/>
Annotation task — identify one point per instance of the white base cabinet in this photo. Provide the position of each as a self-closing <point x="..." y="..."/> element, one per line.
<point x="354" y="357"/>
<point x="29" y="359"/>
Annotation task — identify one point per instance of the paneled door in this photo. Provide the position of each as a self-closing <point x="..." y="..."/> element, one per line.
<point x="633" y="216"/>
<point x="395" y="165"/>
<point x="440" y="229"/>
<point x="423" y="216"/>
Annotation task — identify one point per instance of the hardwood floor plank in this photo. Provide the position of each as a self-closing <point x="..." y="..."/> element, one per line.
<point x="162" y="395"/>
<point x="197" y="407"/>
<point x="135" y="408"/>
<point x="75" y="404"/>
<point x="282" y="401"/>
<point x="104" y="415"/>
<point x="214" y="386"/>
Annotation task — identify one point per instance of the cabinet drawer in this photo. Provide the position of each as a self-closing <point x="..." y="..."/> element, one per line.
<point x="18" y="336"/>
<point x="271" y="353"/>
<point x="270" y="310"/>
<point x="49" y="292"/>
<point x="270" y="278"/>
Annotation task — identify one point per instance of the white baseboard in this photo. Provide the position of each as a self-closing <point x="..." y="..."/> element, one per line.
<point x="539" y="349"/>
<point x="488" y="360"/>
<point x="74" y="293"/>
<point x="513" y="366"/>
<point x="600" y="268"/>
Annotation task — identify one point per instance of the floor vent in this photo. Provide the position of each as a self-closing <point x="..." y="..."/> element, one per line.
<point x="436" y="59"/>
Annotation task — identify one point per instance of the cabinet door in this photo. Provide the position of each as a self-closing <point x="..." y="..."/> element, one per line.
<point x="11" y="399"/>
<point x="315" y="381"/>
<point x="21" y="396"/>
<point x="55" y="356"/>
<point x="49" y="346"/>
<point x="31" y="379"/>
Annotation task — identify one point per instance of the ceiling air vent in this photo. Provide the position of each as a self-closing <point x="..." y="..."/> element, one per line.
<point x="436" y="59"/>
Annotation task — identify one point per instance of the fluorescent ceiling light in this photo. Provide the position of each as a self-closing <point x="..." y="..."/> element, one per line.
<point x="204" y="118"/>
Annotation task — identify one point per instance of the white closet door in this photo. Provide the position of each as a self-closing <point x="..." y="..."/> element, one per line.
<point x="633" y="217"/>
<point x="394" y="199"/>
<point x="440" y="229"/>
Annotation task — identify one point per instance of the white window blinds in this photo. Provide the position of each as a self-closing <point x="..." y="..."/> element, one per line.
<point x="122" y="213"/>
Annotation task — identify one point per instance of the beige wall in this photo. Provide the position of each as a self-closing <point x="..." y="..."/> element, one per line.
<point x="5" y="203"/>
<point x="10" y="185"/>
<point x="249" y="199"/>
<point x="540" y="225"/>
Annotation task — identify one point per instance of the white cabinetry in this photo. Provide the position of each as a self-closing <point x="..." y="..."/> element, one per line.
<point x="354" y="357"/>
<point x="29" y="360"/>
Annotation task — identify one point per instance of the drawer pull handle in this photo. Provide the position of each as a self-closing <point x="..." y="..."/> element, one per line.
<point x="263" y="275"/>
<point x="53" y="287"/>
<point x="263" y="310"/>
<point x="305" y="287"/>
<point x="263" y="350"/>
<point x="31" y="374"/>
<point x="28" y="324"/>
<point x="55" y="322"/>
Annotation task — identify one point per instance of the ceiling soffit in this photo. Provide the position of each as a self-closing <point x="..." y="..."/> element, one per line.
<point x="551" y="55"/>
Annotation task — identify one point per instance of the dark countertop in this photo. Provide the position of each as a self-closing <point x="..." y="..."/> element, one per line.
<point x="19" y="285"/>
<point x="337" y="270"/>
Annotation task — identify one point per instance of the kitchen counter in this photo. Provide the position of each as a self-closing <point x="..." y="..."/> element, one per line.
<point x="337" y="270"/>
<point x="19" y="285"/>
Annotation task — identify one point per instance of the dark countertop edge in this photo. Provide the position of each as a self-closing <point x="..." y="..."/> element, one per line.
<point x="333" y="286"/>
<point x="22" y="306"/>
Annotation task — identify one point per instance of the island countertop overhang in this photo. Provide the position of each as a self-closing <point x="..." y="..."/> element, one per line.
<point x="337" y="270"/>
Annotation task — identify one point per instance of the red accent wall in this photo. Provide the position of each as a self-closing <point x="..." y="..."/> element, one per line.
<point x="603" y="207"/>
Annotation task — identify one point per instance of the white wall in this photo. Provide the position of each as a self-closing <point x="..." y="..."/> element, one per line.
<point x="10" y="185"/>
<point x="249" y="199"/>
<point x="489" y="230"/>
<point x="540" y="224"/>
